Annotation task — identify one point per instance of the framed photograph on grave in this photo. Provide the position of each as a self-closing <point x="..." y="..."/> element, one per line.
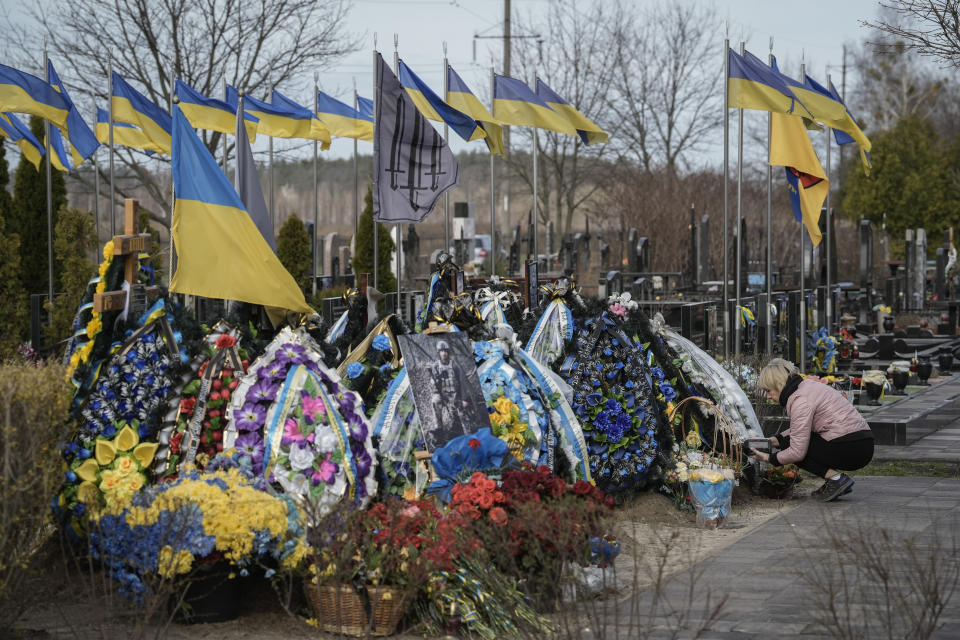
<point x="459" y="286"/>
<point x="446" y="389"/>
<point x="531" y="293"/>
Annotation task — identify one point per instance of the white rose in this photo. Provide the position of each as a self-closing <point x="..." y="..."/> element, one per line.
<point x="296" y="485"/>
<point x="325" y="440"/>
<point x="301" y="459"/>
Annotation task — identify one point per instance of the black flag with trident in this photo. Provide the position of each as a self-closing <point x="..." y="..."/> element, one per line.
<point x="412" y="164"/>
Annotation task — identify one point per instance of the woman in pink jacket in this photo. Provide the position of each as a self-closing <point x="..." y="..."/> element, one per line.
<point x="826" y="434"/>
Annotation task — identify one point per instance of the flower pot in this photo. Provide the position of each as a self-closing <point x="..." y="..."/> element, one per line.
<point x="874" y="391"/>
<point x="924" y="370"/>
<point x="210" y="597"/>
<point x="945" y="362"/>
<point x="900" y="379"/>
<point x="342" y="610"/>
<point x="768" y="489"/>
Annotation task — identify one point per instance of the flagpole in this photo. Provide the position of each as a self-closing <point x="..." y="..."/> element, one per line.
<point x="739" y="229"/>
<point x="536" y="161"/>
<point x="223" y="134"/>
<point x="113" y="227"/>
<point x="273" y="217"/>
<point x="46" y="142"/>
<point x="96" y="183"/>
<point x="316" y="188"/>
<point x="803" y="293"/>
<point x="493" y="201"/>
<point x="769" y="275"/>
<point x="396" y="69"/>
<point x="356" y="175"/>
<point x="829" y="252"/>
<point x="376" y="227"/>
<point x="726" y="193"/>
<point x="173" y="203"/>
<point x="446" y="136"/>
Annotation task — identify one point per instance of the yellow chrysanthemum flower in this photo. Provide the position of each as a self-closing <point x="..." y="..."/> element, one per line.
<point x="170" y="564"/>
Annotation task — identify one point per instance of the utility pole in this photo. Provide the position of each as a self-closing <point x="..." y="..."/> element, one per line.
<point x="506" y="70"/>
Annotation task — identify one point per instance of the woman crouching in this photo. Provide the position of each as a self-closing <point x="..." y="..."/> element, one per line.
<point x="827" y="435"/>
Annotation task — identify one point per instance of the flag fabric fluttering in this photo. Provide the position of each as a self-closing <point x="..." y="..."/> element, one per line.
<point x="846" y="130"/>
<point x="412" y="163"/>
<point x="210" y="113"/>
<point x="221" y="253"/>
<point x="515" y="104"/>
<point x="753" y="85"/>
<point x="342" y="120"/>
<point x="132" y="107"/>
<point x="365" y="106"/>
<point x="823" y="108"/>
<point x="20" y="134"/>
<point x="434" y="108"/>
<point x="124" y="134"/>
<point x="247" y="183"/>
<point x="22" y="92"/>
<point x="461" y="98"/>
<point x="589" y="132"/>
<point x="284" y="118"/>
<point x="807" y="182"/>
<point x="60" y="159"/>
<point x="82" y="143"/>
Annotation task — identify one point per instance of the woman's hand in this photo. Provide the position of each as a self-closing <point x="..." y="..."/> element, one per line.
<point x="774" y="441"/>
<point x="759" y="455"/>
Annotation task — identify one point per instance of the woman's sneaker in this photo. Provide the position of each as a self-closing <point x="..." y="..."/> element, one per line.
<point x="833" y="489"/>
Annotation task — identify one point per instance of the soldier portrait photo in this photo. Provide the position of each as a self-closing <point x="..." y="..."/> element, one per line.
<point x="445" y="386"/>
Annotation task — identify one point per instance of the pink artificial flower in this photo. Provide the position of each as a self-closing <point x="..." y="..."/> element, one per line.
<point x="291" y="430"/>
<point x="312" y="406"/>
<point x="327" y="470"/>
<point x="618" y="309"/>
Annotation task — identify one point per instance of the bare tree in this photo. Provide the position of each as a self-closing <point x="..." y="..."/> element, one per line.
<point x="665" y="92"/>
<point x="929" y="27"/>
<point x="254" y="46"/>
<point x="577" y="61"/>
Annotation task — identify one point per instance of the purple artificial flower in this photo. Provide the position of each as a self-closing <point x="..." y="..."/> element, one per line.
<point x="250" y="444"/>
<point x="251" y="417"/>
<point x="273" y="371"/>
<point x="358" y="429"/>
<point x="290" y="352"/>
<point x="263" y="391"/>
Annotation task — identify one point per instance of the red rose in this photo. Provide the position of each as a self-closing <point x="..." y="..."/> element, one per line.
<point x="217" y="384"/>
<point x="498" y="516"/>
<point x="232" y="385"/>
<point x="224" y="394"/>
<point x="217" y="436"/>
<point x="187" y="404"/>
<point x="473" y="443"/>
<point x="215" y="396"/>
<point x="245" y="363"/>
<point x="219" y="446"/>
<point x="175" y="440"/>
<point x="214" y="413"/>
<point x="225" y="341"/>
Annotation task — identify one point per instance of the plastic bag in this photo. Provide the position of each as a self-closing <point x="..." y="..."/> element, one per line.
<point x="712" y="502"/>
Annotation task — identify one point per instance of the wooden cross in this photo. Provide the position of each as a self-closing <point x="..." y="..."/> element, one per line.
<point x="130" y="245"/>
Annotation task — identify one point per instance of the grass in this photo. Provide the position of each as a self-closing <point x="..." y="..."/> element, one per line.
<point x="912" y="468"/>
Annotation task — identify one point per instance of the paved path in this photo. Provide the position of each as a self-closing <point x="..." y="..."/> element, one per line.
<point x="766" y="574"/>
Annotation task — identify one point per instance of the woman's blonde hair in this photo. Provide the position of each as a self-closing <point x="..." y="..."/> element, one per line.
<point x="774" y="376"/>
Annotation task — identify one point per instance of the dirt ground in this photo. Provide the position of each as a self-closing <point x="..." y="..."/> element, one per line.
<point x="68" y="606"/>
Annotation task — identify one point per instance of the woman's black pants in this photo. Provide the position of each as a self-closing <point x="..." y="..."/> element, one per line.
<point x="845" y="455"/>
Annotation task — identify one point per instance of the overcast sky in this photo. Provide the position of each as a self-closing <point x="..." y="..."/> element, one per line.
<point x="815" y="30"/>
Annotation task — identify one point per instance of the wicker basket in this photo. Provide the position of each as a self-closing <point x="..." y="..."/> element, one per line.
<point x="340" y="609"/>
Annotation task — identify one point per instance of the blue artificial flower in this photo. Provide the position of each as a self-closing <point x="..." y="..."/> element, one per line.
<point x="355" y="370"/>
<point x="381" y="343"/>
<point x="667" y="390"/>
<point x="593" y="399"/>
<point x="613" y="405"/>
<point x="657" y="373"/>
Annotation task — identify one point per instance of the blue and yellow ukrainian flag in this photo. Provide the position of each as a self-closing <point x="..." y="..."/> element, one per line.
<point x="365" y="106"/>
<point x="210" y="113"/>
<point x="845" y="130"/>
<point x="59" y="159"/>
<point x="20" y="134"/>
<point x="515" y="104"/>
<point x="79" y="137"/>
<point x="754" y="85"/>
<point x="586" y="129"/>
<point x="124" y="134"/>
<point x="342" y="120"/>
<point x="284" y="118"/>
<point x="25" y="93"/>
<point x="221" y="253"/>
<point x="462" y="99"/>
<point x="433" y="108"/>
<point x="807" y="182"/>
<point x="130" y="106"/>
